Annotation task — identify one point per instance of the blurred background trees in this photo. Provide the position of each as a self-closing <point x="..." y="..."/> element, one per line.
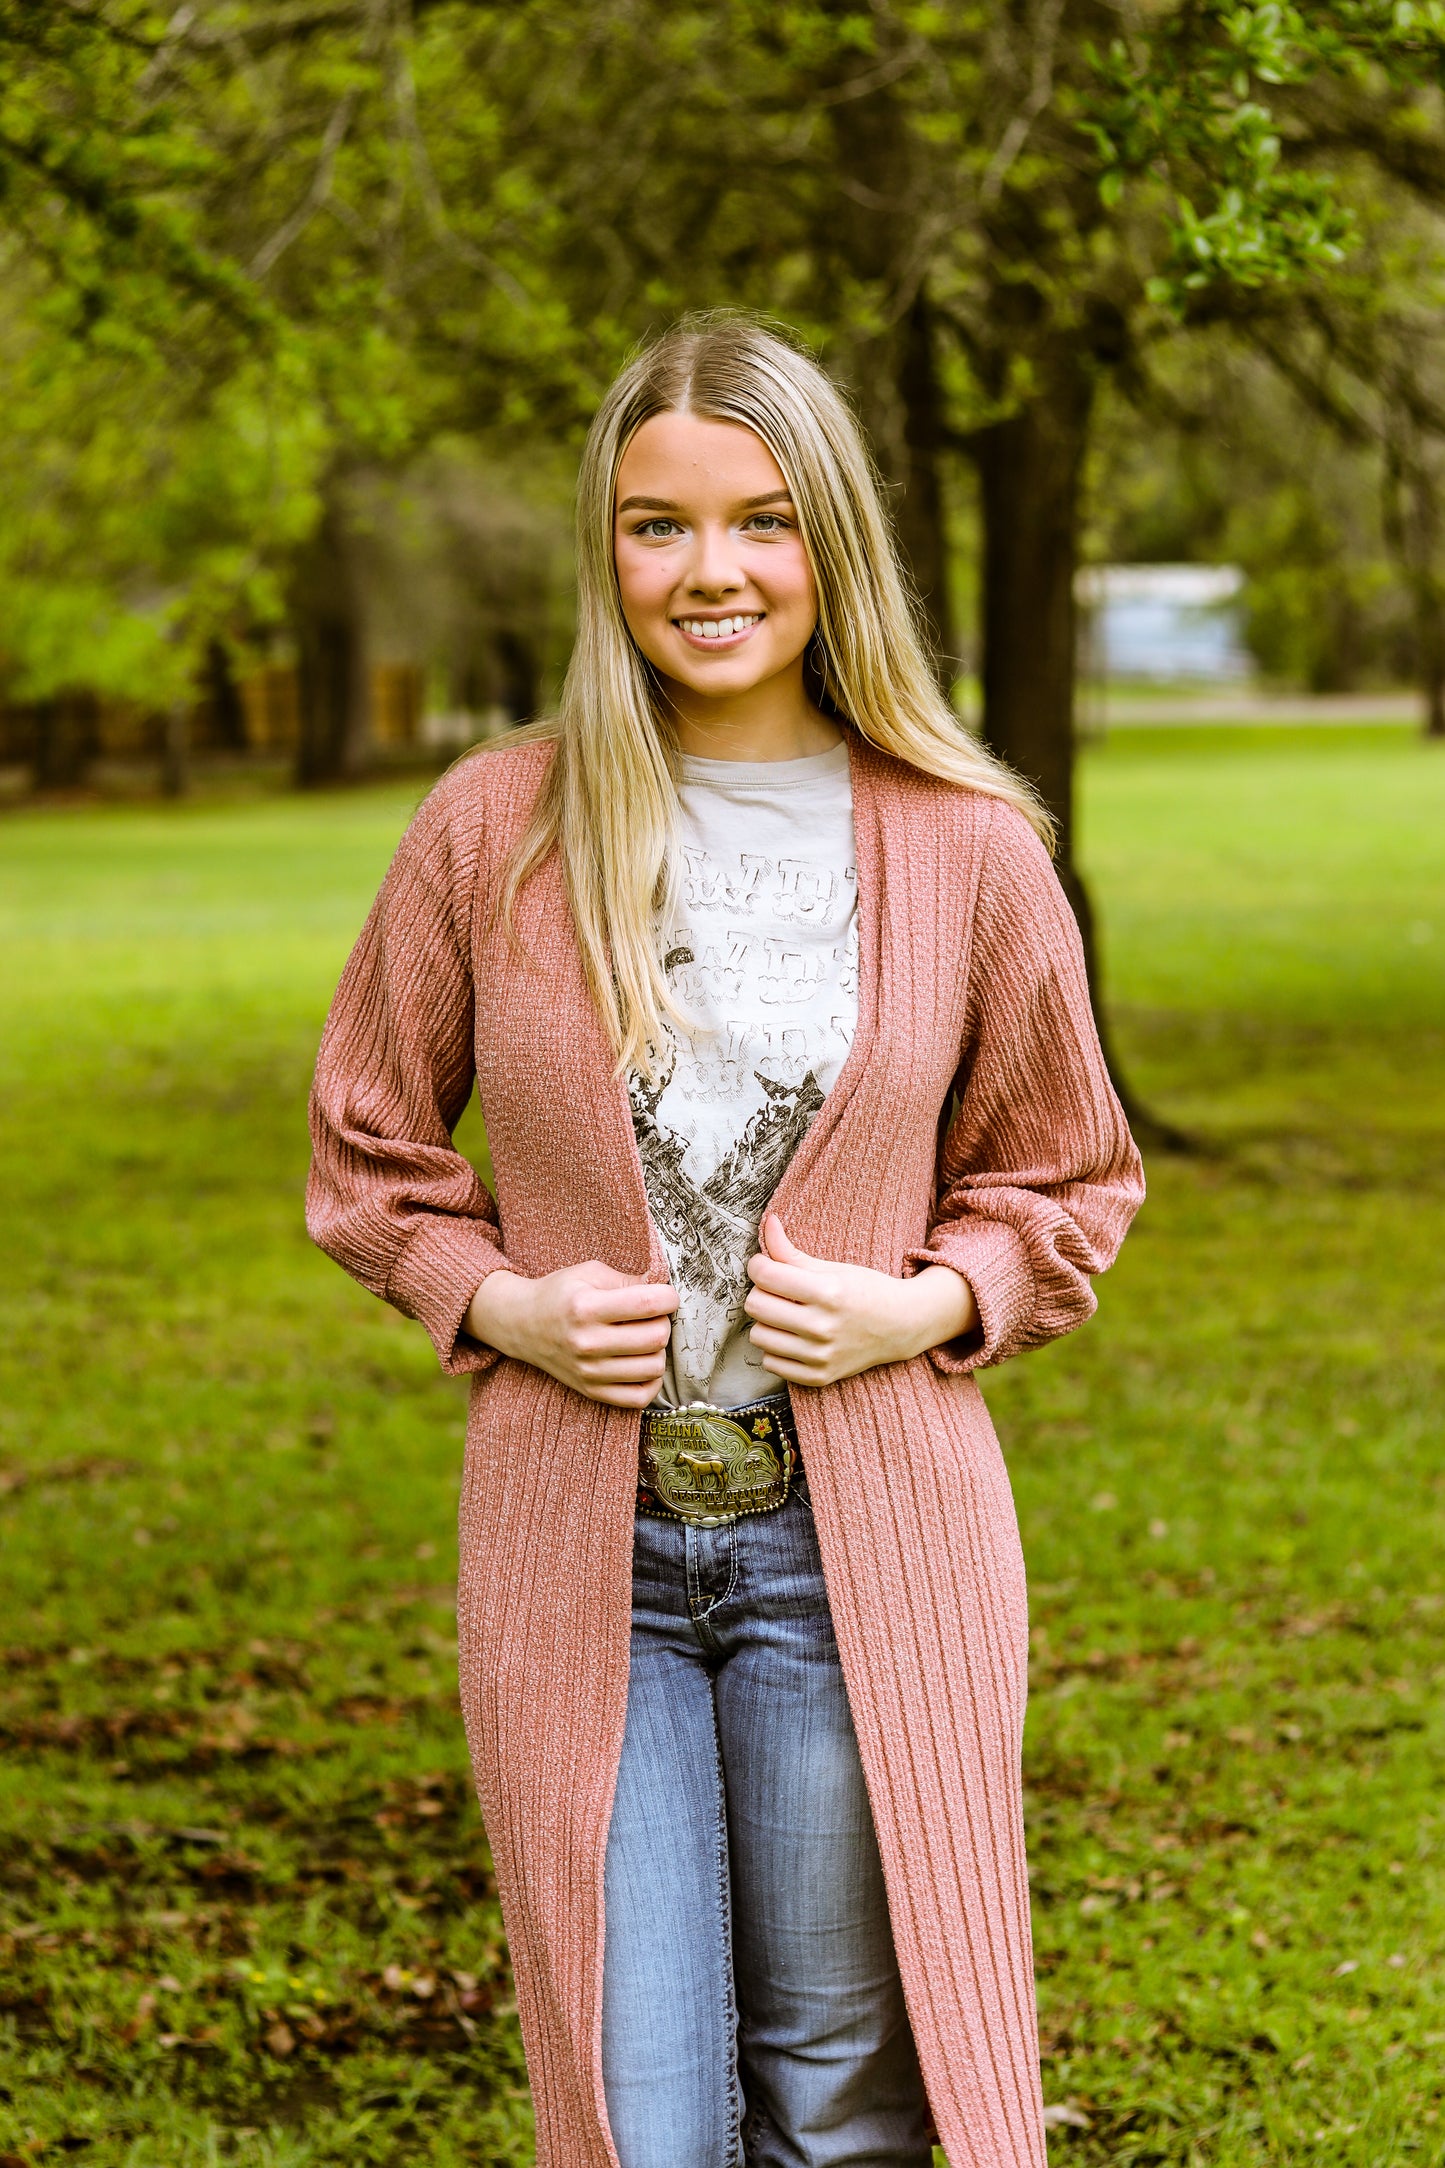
<point x="283" y="279"/>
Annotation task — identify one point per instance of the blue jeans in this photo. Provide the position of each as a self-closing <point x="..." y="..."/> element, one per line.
<point x="752" y="2009"/>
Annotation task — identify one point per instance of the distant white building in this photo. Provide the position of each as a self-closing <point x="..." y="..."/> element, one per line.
<point x="1163" y="621"/>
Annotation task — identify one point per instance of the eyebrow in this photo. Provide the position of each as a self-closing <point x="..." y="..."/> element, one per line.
<point x="665" y="504"/>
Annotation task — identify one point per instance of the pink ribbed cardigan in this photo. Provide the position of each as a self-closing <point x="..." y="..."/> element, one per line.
<point x="972" y="996"/>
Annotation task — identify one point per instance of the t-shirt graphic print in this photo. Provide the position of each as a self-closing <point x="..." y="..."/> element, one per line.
<point x="762" y="956"/>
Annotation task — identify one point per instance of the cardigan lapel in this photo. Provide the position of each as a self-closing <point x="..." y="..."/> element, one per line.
<point x="588" y="1103"/>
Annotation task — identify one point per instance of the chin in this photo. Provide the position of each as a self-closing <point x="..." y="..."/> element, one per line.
<point x="726" y="677"/>
<point x="738" y="673"/>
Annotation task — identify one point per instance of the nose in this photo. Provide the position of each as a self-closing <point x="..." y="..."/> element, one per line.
<point x="713" y="569"/>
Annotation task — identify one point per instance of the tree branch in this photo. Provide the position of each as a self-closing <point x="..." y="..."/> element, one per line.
<point x="271" y="251"/>
<point x="263" y="36"/>
<point x="433" y="201"/>
<point x="1041" y="90"/>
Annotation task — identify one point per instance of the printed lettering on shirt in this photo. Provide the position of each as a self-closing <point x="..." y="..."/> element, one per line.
<point x="793" y="975"/>
<point x="806" y="891"/>
<point x="709" y="884"/>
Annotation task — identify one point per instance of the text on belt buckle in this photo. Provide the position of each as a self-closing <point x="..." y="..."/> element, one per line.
<point x="706" y="1468"/>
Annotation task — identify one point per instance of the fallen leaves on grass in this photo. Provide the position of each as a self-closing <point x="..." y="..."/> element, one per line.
<point x="80" y="1468"/>
<point x="144" y="2012"/>
<point x="1067" y="2115"/>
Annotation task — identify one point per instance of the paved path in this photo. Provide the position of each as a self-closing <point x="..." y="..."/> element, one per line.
<point x="1134" y="711"/>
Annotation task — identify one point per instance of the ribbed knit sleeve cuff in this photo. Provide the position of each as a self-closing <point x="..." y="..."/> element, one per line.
<point x="434" y="1280"/>
<point x="994" y="1260"/>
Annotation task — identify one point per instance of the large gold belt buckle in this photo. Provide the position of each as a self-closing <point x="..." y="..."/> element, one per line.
<point x="706" y="1468"/>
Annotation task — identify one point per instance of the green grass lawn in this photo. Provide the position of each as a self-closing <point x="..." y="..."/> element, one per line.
<point x="247" y="1911"/>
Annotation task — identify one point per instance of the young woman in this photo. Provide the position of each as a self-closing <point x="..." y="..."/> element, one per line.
<point x="798" y="1119"/>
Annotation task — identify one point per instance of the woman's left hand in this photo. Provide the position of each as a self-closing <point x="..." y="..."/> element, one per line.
<point x="816" y="1321"/>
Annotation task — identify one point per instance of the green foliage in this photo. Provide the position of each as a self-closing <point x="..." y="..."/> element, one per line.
<point x="362" y="231"/>
<point x="166" y="449"/>
<point x="99" y="180"/>
<point x="236" y="1844"/>
<point x="1190" y="104"/>
<point x="136" y="525"/>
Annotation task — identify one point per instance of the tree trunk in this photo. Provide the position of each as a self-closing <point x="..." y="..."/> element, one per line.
<point x="1412" y="529"/>
<point x="330" y="657"/>
<point x="228" y="716"/>
<point x="65" y="740"/>
<point x="902" y="410"/>
<point x="911" y="453"/>
<point x="1435" y="704"/>
<point x="920" y="511"/>
<point x="895" y="368"/>
<point x="1430" y="648"/>
<point x="1030" y="468"/>
<point x="176" y="750"/>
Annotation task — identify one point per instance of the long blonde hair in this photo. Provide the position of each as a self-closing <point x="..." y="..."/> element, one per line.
<point x="609" y="802"/>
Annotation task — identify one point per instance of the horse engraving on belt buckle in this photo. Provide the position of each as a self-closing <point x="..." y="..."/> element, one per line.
<point x="706" y="1468"/>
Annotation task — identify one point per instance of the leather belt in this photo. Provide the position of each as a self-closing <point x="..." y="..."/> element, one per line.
<point x="708" y="1465"/>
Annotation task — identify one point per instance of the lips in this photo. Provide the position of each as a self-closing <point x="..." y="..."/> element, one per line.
<point x="718" y="631"/>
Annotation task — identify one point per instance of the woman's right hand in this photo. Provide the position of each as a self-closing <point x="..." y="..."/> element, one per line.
<point x="592" y="1328"/>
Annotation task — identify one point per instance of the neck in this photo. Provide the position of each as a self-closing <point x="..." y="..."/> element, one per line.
<point x="775" y="721"/>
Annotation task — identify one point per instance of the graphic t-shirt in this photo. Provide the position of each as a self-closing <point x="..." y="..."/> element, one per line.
<point x="762" y="956"/>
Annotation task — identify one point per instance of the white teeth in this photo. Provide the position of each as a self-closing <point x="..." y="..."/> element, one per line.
<point x="716" y="628"/>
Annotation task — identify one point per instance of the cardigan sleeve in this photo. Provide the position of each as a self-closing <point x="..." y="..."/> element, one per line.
<point x="1038" y="1175"/>
<point x="389" y="1197"/>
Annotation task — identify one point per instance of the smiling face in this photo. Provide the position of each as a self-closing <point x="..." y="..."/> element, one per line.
<point x="715" y="583"/>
